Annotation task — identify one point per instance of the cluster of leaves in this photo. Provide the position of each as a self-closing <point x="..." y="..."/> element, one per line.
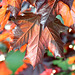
<point x="34" y="26"/>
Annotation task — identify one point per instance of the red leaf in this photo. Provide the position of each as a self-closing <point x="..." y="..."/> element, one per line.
<point x="35" y="49"/>
<point x="73" y="73"/>
<point x="66" y="12"/>
<point x="6" y="43"/>
<point x="45" y="8"/>
<point x="23" y="48"/>
<point x="14" y="6"/>
<point x="4" y="35"/>
<point x="21" y="35"/>
<point x="30" y="31"/>
<point x="3" y="69"/>
<point x="71" y="60"/>
<point x="3" y="23"/>
<point x="69" y="2"/>
<point x="52" y="42"/>
<point x="7" y="33"/>
<point x="49" y="9"/>
<point x="2" y="14"/>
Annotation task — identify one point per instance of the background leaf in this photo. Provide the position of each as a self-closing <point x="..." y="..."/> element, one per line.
<point x="14" y="60"/>
<point x="63" y="64"/>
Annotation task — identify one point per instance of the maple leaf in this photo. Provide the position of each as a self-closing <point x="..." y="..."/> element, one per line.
<point x="54" y="27"/>
<point x="28" y="30"/>
<point x="31" y="30"/>
<point x="26" y="35"/>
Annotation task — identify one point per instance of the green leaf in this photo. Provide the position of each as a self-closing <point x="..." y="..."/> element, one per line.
<point x="64" y="73"/>
<point x="14" y="60"/>
<point x="62" y="64"/>
<point x="2" y="47"/>
<point x="49" y="53"/>
<point x="65" y="51"/>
